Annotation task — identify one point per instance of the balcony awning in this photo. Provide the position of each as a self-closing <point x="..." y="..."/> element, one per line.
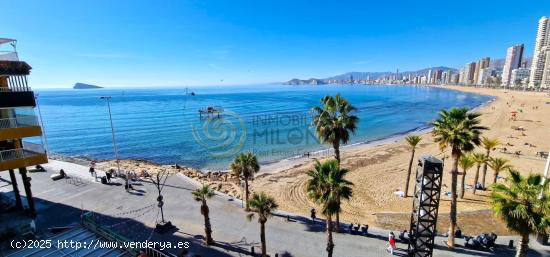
<point x="6" y="40"/>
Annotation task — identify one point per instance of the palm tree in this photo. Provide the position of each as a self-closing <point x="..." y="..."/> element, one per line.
<point x="326" y="186"/>
<point x="466" y="162"/>
<point x="459" y="129"/>
<point x="333" y="122"/>
<point x="498" y="165"/>
<point x="244" y="166"/>
<point x="263" y="205"/>
<point x="479" y="159"/>
<point x="201" y="194"/>
<point x="489" y="145"/>
<point x="521" y="205"/>
<point x="412" y="140"/>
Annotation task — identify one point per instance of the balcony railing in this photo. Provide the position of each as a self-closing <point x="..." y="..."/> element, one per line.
<point x="28" y="150"/>
<point x="16" y="84"/>
<point x="19" y="122"/>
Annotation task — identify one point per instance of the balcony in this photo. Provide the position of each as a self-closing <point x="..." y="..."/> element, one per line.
<point x="29" y="155"/>
<point x="20" y="127"/>
<point x="16" y="93"/>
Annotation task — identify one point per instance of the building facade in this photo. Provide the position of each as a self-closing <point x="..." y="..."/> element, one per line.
<point x="20" y="131"/>
<point x="514" y="56"/>
<point x="540" y="54"/>
<point x="480" y="65"/>
<point x="519" y="77"/>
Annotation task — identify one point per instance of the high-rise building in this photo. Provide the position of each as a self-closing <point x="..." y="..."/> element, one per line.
<point x="518" y="76"/>
<point x="429" y="77"/>
<point x="513" y="60"/>
<point x="481" y="64"/>
<point x="539" y="55"/>
<point x="484" y="75"/>
<point x="20" y="131"/>
<point x="455" y="78"/>
<point x="469" y="71"/>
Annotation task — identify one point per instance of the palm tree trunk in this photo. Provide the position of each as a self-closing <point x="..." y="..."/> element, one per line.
<point x="495" y="175"/>
<point x="463" y="183"/>
<point x="337" y="228"/>
<point x="336" y="146"/>
<point x="409" y="175"/>
<point x="207" y="225"/>
<point x="476" y="178"/>
<point x="452" y="214"/>
<point x="247" y="208"/>
<point x="485" y="170"/>
<point x="523" y="246"/>
<point x="330" y="244"/>
<point x="262" y="238"/>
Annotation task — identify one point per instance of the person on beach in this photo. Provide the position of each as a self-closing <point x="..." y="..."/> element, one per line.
<point x="391" y="243"/>
<point x="313" y="216"/>
<point x="108" y="175"/>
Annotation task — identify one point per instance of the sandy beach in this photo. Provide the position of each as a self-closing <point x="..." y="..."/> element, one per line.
<point x="379" y="169"/>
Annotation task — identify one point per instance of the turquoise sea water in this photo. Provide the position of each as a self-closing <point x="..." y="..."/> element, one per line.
<point x="163" y="124"/>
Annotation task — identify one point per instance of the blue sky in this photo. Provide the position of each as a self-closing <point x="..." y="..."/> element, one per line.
<point x="190" y="43"/>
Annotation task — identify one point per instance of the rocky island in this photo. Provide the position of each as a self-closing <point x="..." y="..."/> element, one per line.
<point x="85" y="86"/>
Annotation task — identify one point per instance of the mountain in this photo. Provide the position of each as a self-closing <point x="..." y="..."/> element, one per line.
<point x="85" y="86"/>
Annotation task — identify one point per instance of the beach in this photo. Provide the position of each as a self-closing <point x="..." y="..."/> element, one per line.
<point x="379" y="168"/>
<point x="377" y="171"/>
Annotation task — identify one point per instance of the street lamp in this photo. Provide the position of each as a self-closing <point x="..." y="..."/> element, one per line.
<point x="115" y="149"/>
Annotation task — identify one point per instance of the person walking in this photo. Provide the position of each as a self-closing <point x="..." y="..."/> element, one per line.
<point x="391" y="243"/>
<point x="313" y="216"/>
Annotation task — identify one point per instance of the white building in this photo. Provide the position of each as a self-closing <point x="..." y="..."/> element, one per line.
<point x="483" y="75"/>
<point x="539" y="55"/>
<point x="519" y="76"/>
<point x="513" y="61"/>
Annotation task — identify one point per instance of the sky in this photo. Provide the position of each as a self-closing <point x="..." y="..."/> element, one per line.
<point x="135" y="43"/>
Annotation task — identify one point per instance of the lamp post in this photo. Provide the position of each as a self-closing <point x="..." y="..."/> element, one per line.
<point x="115" y="149"/>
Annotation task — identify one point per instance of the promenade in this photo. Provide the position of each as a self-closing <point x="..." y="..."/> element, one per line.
<point x="134" y="214"/>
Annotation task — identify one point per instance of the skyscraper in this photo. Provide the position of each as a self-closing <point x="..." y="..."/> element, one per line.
<point x="481" y="64"/>
<point x="514" y="56"/>
<point x="539" y="55"/>
<point x="469" y="72"/>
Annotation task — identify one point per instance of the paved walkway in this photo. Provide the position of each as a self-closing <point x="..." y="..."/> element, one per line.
<point x="133" y="214"/>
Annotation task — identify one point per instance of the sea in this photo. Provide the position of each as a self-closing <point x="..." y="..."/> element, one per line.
<point x="164" y="125"/>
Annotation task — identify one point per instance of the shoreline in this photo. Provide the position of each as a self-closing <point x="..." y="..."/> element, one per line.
<point x="281" y="164"/>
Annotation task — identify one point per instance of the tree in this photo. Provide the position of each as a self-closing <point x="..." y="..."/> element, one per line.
<point x="479" y="159"/>
<point x="159" y="180"/>
<point x="333" y="124"/>
<point x="334" y="121"/>
<point x="521" y="205"/>
<point x="326" y="186"/>
<point x="498" y="165"/>
<point x="201" y="195"/>
<point x="244" y="166"/>
<point x="489" y="145"/>
<point x="466" y="162"/>
<point x="460" y="130"/>
<point x="263" y="205"/>
<point x="412" y="140"/>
